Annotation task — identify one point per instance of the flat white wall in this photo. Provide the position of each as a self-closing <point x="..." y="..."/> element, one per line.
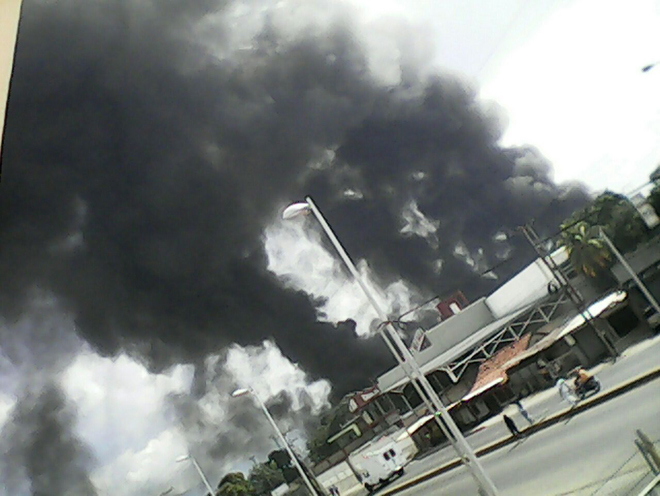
<point x="459" y="327"/>
<point x="529" y="285"/>
<point x="340" y="476"/>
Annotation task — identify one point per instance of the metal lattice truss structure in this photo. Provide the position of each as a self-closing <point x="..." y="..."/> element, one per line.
<point x="535" y="320"/>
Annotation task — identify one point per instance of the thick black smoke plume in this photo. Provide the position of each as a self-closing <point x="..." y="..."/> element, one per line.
<point x="145" y="153"/>
<point x="39" y="447"/>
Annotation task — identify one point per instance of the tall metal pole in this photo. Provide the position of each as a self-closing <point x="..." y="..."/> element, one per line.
<point x="201" y="474"/>
<point x="573" y="294"/>
<point x="629" y="269"/>
<point x="441" y="415"/>
<point x="281" y="437"/>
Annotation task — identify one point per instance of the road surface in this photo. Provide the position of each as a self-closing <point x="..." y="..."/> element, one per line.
<point x="573" y="457"/>
<point x="637" y="360"/>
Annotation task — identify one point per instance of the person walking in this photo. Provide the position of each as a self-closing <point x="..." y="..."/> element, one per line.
<point x="566" y="392"/>
<point x="523" y="412"/>
<point x="511" y="425"/>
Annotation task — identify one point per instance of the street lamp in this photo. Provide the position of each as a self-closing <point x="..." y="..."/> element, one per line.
<point x="403" y="356"/>
<point x="248" y="391"/>
<point x="199" y="471"/>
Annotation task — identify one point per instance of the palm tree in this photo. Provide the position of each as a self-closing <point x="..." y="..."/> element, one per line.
<point x="587" y="252"/>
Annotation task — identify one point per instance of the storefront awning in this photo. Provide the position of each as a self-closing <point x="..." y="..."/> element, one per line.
<point x="492" y="372"/>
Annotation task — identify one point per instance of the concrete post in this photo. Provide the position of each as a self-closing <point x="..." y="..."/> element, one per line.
<point x="648" y="450"/>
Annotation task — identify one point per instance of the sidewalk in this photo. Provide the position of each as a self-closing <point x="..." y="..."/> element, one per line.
<point x="533" y="401"/>
<point x="530" y="402"/>
<point x="540" y="397"/>
<point x="554" y="419"/>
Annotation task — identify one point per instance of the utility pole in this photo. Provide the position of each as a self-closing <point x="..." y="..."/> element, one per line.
<point x="573" y="294"/>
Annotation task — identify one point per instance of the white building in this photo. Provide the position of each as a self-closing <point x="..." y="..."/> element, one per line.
<point x="482" y="325"/>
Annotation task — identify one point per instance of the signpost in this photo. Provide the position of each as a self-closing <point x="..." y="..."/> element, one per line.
<point x="418" y="341"/>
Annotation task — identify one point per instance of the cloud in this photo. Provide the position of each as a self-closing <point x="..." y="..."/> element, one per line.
<point x="576" y="89"/>
<point x="149" y="150"/>
<point x="120" y="403"/>
<point x="138" y="423"/>
<point x="153" y="468"/>
<point x="296" y="254"/>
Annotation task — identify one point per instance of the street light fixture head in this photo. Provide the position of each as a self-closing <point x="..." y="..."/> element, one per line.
<point x="182" y="458"/>
<point x="295" y="210"/>
<point x="647" y="68"/>
<point x="240" y="392"/>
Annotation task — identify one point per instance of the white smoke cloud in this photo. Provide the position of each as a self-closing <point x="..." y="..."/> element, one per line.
<point x="270" y="373"/>
<point x="296" y="255"/>
<point x="125" y="417"/>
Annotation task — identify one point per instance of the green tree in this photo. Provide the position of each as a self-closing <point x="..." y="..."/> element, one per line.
<point x="616" y="215"/>
<point x="235" y="484"/>
<point x="330" y="423"/>
<point x="317" y="444"/>
<point x="655" y="175"/>
<point x="265" y="477"/>
<point x="587" y="252"/>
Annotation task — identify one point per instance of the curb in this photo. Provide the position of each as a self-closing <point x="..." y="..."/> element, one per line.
<point x="548" y="422"/>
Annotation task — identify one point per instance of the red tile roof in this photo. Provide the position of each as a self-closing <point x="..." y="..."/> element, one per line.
<point x="493" y="371"/>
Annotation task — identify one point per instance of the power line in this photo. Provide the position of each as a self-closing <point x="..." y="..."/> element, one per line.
<point x="563" y="229"/>
<point x="497" y="45"/>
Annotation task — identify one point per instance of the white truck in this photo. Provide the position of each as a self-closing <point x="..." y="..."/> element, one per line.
<point x="381" y="465"/>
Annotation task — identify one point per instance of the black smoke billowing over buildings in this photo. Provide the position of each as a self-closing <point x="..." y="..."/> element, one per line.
<point x="146" y="152"/>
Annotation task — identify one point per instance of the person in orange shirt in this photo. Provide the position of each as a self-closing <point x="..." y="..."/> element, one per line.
<point x="582" y="378"/>
<point x="585" y="382"/>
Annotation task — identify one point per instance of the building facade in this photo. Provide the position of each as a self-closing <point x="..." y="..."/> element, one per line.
<point x="518" y="340"/>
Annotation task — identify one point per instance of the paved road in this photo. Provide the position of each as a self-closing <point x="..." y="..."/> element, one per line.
<point x="635" y="361"/>
<point x="570" y="457"/>
<point x="638" y="360"/>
